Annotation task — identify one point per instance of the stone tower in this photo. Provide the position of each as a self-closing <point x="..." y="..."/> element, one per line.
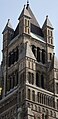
<point x="30" y="70"/>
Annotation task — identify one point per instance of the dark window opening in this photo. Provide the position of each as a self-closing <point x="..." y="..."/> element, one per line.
<point x="16" y="77"/>
<point x="34" y="50"/>
<point x="38" y="97"/>
<point x="48" y="32"/>
<point x="43" y="116"/>
<point x="31" y="78"/>
<point x="51" y="113"/>
<point x="43" y="56"/>
<point x="46" y="116"/>
<point x="13" y="57"/>
<point x="9" y="61"/>
<point x="29" y="94"/>
<point x="51" y="41"/>
<point x="19" y="96"/>
<point x="54" y="114"/>
<point x="33" y="95"/>
<point x="57" y="88"/>
<point x="51" y="33"/>
<point x="50" y="56"/>
<point x="12" y="81"/>
<point x="22" y="78"/>
<point x="37" y="79"/>
<point x="57" y="104"/>
<point x="38" y="54"/>
<point x="8" y="85"/>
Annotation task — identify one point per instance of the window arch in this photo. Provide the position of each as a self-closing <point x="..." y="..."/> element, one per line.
<point x="31" y="78"/>
<point x="34" y="50"/>
<point x="43" y="116"/>
<point x="51" y="33"/>
<point x="37" y="80"/>
<point x="48" y="32"/>
<point x="38" y="96"/>
<point x="50" y="56"/>
<point x="38" y="54"/>
<point x="51" y="41"/>
<point x="51" y="113"/>
<point x="43" y="56"/>
<point x="47" y="112"/>
<point x="54" y="114"/>
<point x="29" y="94"/>
<point x="57" y="88"/>
<point x="33" y="95"/>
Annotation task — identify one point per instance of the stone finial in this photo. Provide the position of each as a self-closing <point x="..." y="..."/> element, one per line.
<point x="27" y="3"/>
<point x="46" y="16"/>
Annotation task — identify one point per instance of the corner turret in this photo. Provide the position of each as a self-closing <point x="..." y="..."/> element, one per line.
<point x="47" y="29"/>
<point x="24" y="21"/>
<point x="8" y="32"/>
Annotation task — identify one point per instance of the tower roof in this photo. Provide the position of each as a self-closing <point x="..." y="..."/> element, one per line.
<point x="33" y="19"/>
<point x="47" y="23"/>
<point x="8" y="26"/>
<point x="28" y="12"/>
<point x="24" y="13"/>
<point x="35" y="27"/>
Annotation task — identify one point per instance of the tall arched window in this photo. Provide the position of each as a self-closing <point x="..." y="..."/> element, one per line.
<point x="9" y="60"/>
<point x="31" y="78"/>
<point x="33" y="95"/>
<point x="43" y="116"/>
<point x="37" y="79"/>
<point x="38" y="54"/>
<point x="57" y="104"/>
<point x="34" y="50"/>
<point x="57" y="88"/>
<point x="50" y="56"/>
<point x="46" y="116"/>
<point x="29" y="95"/>
<point x="38" y="97"/>
<point x="43" y="56"/>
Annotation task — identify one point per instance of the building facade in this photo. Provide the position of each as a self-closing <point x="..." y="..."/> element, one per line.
<point x="30" y="70"/>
